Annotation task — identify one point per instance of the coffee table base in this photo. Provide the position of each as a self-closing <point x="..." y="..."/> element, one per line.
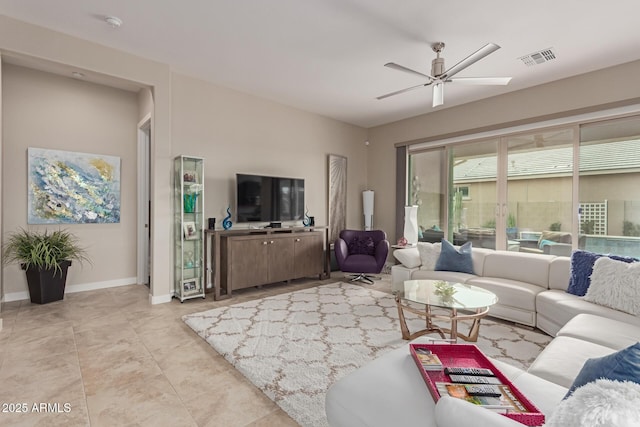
<point x="454" y="317"/>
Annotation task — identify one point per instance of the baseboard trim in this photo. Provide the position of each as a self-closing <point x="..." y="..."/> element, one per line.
<point x="15" y="296"/>
<point x="160" y="299"/>
<point x="80" y="287"/>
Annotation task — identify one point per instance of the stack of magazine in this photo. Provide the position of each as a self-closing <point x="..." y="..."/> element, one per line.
<point x="481" y="387"/>
<point x="428" y="360"/>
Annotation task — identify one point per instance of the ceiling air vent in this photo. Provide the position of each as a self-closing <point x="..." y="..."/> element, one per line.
<point x="539" y="57"/>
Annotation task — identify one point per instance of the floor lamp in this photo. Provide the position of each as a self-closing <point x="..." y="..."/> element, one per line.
<point x="367" y="207"/>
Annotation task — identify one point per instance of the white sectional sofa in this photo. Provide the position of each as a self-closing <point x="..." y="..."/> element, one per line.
<point x="390" y="390"/>
<point x="531" y="288"/>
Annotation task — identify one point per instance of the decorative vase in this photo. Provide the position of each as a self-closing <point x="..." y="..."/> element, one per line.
<point x="226" y="222"/>
<point x="190" y="202"/>
<point x="307" y="220"/>
<point x="411" y="224"/>
<point x="367" y="207"/>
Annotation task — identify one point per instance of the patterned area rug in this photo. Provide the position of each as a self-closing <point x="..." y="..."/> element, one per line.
<point x="293" y="346"/>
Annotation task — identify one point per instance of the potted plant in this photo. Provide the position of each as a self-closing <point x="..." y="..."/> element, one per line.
<point x="45" y="256"/>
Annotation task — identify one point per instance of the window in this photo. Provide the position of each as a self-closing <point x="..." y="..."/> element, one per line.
<point x="609" y="211"/>
<point x="572" y="186"/>
<point x="427" y="190"/>
<point x="464" y="191"/>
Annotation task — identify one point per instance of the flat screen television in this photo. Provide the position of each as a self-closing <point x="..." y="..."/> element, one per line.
<point x="268" y="198"/>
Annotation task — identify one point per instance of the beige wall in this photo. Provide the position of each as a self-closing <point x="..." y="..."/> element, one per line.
<point x="43" y="110"/>
<point x="36" y="43"/>
<point x="239" y="133"/>
<point x="233" y="131"/>
<point x="562" y="97"/>
<point x="145" y="103"/>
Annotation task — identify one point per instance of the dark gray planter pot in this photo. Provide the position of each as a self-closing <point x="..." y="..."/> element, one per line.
<point x="47" y="285"/>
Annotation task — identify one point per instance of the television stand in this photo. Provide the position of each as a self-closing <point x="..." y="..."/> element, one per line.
<point x="242" y="258"/>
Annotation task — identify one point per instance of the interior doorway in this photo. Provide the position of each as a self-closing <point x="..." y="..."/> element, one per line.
<point x="144" y="202"/>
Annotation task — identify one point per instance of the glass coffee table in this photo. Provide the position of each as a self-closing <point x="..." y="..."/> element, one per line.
<point x="472" y="300"/>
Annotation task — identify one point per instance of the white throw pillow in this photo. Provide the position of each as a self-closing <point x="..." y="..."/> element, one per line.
<point x="429" y="254"/>
<point x="601" y="403"/>
<point x="408" y="257"/>
<point x="615" y="284"/>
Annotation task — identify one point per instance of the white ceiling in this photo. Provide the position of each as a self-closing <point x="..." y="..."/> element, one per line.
<point x="327" y="56"/>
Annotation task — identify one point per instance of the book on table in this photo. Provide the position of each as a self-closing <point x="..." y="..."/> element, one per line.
<point x="505" y="402"/>
<point x="429" y="360"/>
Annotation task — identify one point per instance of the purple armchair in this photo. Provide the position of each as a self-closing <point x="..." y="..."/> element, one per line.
<point x="361" y="252"/>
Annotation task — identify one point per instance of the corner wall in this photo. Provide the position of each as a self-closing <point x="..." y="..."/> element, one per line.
<point x="17" y="37"/>
<point x="44" y="110"/>
<point x="232" y="130"/>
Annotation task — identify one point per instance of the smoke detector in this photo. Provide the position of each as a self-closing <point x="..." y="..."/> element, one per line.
<point x="114" y="21"/>
<point x="539" y="57"/>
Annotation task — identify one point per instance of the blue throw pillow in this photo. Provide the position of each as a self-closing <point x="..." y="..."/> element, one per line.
<point x="361" y="246"/>
<point x="623" y="365"/>
<point x="582" y="268"/>
<point x="452" y="259"/>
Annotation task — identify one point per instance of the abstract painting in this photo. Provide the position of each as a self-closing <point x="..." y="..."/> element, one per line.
<point x="72" y="188"/>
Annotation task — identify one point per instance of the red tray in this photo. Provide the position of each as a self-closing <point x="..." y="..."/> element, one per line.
<point x="468" y="355"/>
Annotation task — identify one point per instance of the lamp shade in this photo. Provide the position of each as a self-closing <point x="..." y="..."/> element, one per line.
<point x="367" y="207"/>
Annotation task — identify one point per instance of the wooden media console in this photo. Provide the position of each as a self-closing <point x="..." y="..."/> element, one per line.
<point x="238" y="259"/>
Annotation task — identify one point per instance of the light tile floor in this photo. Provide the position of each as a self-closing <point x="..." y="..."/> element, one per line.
<point x="109" y="358"/>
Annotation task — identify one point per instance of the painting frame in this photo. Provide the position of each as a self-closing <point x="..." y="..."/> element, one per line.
<point x="190" y="231"/>
<point x="190" y="286"/>
<point x="190" y="177"/>
<point x="69" y="187"/>
<point x="337" y="195"/>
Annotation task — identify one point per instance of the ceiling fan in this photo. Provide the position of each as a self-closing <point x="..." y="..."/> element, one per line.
<point x="439" y="76"/>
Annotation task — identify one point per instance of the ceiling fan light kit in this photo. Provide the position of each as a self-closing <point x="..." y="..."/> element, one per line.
<point x="439" y="75"/>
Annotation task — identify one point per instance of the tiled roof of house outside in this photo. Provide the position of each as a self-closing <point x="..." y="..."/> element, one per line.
<point x="618" y="156"/>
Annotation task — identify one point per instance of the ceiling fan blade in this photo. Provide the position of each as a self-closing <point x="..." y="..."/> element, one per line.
<point x="407" y="70"/>
<point x="474" y="57"/>
<point x="495" y="81"/>
<point x="403" y="90"/>
<point x="438" y="94"/>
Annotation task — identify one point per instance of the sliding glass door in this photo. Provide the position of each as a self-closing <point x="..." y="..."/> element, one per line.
<point x="546" y="191"/>
<point x="609" y="209"/>
<point x="537" y="207"/>
<point x="427" y="189"/>
<point x="473" y="193"/>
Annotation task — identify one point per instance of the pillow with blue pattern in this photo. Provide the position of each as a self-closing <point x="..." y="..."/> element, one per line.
<point x="582" y="268"/>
